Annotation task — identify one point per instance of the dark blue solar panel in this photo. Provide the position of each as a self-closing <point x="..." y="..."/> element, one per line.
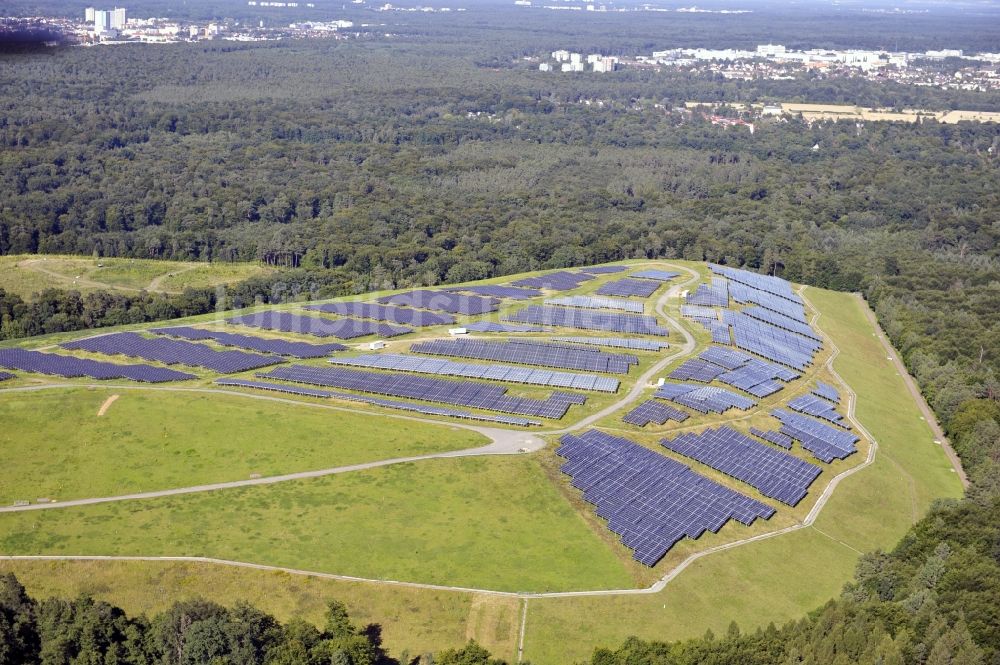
<point x="491" y="327"/>
<point x="818" y="407"/>
<point x="658" y="275"/>
<point x="444" y="301"/>
<point x="401" y="315"/>
<point x="704" y="399"/>
<point x="7" y="376"/>
<point x="633" y="343"/>
<point x="714" y="295"/>
<point x="525" y="352"/>
<point x="827" y="392"/>
<point x="696" y="369"/>
<point x="652" y="411"/>
<point x="172" y="352"/>
<point x="555" y="281"/>
<point x="627" y="286"/>
<point x="777" y="438"/>
<point x="638" y="324"/>
<point x="318" y="326"/>
<point x="590" y="302"/>
<point x="281" y="347"/>
<point x="498" y="291"/>
<point x="603" y="270"/>
<point x="70" y="367"/>
<point x="826" y="443"/>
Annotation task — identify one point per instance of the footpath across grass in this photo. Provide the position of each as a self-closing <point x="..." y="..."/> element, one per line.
<point x="56" y="446"/>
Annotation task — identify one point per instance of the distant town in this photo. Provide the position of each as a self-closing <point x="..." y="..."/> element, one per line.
<point x="946" y="68"/>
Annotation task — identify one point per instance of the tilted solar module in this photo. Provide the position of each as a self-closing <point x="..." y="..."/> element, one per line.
<point x="632" y="343"/>
<point x="281" y="347"/>
<point x="728" y="358"/>
<point x="714" y="295"/>
<point x="827" y="392"/>
<point x="603" y="270"/>
<point x="524" y="352"/>
<point x="658" y="275"/>
<point x="492" y="327"/>
<point x="777" y="438"/>
<point x="70" y="367"/>
<point x="375" y="401"/>
<point x="589" y="302"/>
<point x="696" y="369"/>
<point x="817" y="407"/>
<point x="172" y="352"/>
<point x="512" y="373"/>
<point x="704" y="399"/>
<point x="775" y="474"/>
<point x="7" y="376"/>
<point x="648" y="499"/>
<point x="627" y="286"/>
<point x="555" y="281"/>
<point x="444" y="301"/>
<point x="699" y="312"/>
<point x="782" y="321"/>
<point x="826" y="443"/>
<point x="773" y="343"/>
<point x="638" y="324"/>
<point x="652" y="411"/>
<point x="401" y="315"/>
<point x="318" y="326"/>
<point x="766" y="283"/>
<point x="498" y="291"/>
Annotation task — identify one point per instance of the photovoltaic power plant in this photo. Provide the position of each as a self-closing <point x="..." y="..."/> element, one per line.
<point x="318" y="326"/>
<point x="492" y="327"/>
<point x="714" y="295"/>
<point x="648" y="499"/>
<point x="498" y="291"/>
<point x="777" y="438"/>
<point x="588" y="302"/>
<point x="172" y="352"/>
<point x="555" y="281"/>
<point x="652" y="411"/>
<point x="489" y="397"/>
<point x="7" y="376"/>
<point x="281" y="347"/>
<point x="781" y="321"/>
<point x="771" y="342"/>
<point x="443" y="301"/>
<point x="817" y="407"/>
<point x="627" y="286"/>
<point x="773" y="473"/>
<point x="704" y="399"/>
<point x="604" y="270"/>
<point x="493" y="372"/>
<point x="826" y="443"/>
<point x="658" y="275"/>
<point x="70" y="367"/>
<point x="525" y="352"/>
<point x="827" y="392"/>
<point x="566" y="317"/>
<point x="632" y="343"/>
<point x="401" y="315"/>
<point x="375" y="401"/>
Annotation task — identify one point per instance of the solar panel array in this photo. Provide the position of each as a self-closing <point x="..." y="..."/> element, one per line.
<point x="764" y="283"/>
<point x="636" y="324"/>
<point x="400" y="315"/>
<point x="704" y="399"/>
<point x="782" y="321"/>
<point x="699" y="312"/>
<point x="642" y="288"/>
<point x="817" y="407"/>
<point x="491" y="327"/>
<point x="714" y="295"/>
<point x="375" y="401"/>
<point x="718" y="330"/>
<point x="826" y="443"/>
<point x="172" y="352"/>
<point x="658" y="275"/>
<point x="531" y="353"/>
<point x="444" y="301"/>
<point x="777" y="438"/>
<point x="555" y="281"/>
<point x="7" y="376"/>
<point x="588" y="302"/>
<point x="604" y="270"/>
<point x="773" y="473"/>
<point x="649" y="500"/>
<point x="652" y="411"/>
<point x="281" y="347"/>
<point x="827" y="392"/>
<point x="70" y="367"/>
<point x="497" y="291"/>
<point x="632" y="343"/>
<point x="734" y="368"/>
<point x="318" y="326"/>
<point x="696" y="369"/>
<point x="511" y="373"/>
<point x="489" y="397"/>
<point x="771" y="342"/>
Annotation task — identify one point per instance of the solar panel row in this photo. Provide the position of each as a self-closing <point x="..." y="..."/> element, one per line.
<point x="699" y="312"/>
<point x="588" y="302"/>
<point x="318" y="326"/>
<point x="7" y="376"/>
<point x="718" y="330"/>
<point x="696" y="369"/>
<point x="603" y="270"/>
<point x="782" y="321"/>
<point x="375" y="401"/>
<point x="773" y="473"/>
<point x="771" y="342"/>
<point x="649" y="500"/>
<point x="489" y="397"/>
<point x="817" y="407"/>
<point x="652" y="411"/>
<point x="400" y="315"/>
<point x="631" y="343"/>
<point x="736" y="369"/>
<point x="511" y="373"/>
<point x="777" y="438"/>
<point x="281" y="347"/>
<point x="173" y="352"/>
<point x="497" y="291"/>
<point x="70" y="367"/>
<point x="658" y="275"/>
<point x="444" y="301"/>
<point x="767" y="283"/>
<point x="744" y="294"/>
<point x="627" y="286"/>
<point x="527" y="353"/>
<point x="555" y="281"/>
<point x="491" y="327"/>
<point x="636" y="324"/>
<point x="827" y="392"/>
<point x="704" y="399"/>
<point x="826" y="443"/>
<point x="714" y="295"/>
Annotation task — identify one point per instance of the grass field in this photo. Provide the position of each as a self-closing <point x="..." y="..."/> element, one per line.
<point x="28" y="274"/>
<point x="149" y="440"/>
<point x="488" y="523"/>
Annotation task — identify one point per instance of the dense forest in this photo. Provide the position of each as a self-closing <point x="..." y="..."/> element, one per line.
<point x="438" y="155"/>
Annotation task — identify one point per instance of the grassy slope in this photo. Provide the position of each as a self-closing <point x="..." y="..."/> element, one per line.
<point x="493" y="523"/>
<point x="156" y="440"/>
<point x="781" y="578"/>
